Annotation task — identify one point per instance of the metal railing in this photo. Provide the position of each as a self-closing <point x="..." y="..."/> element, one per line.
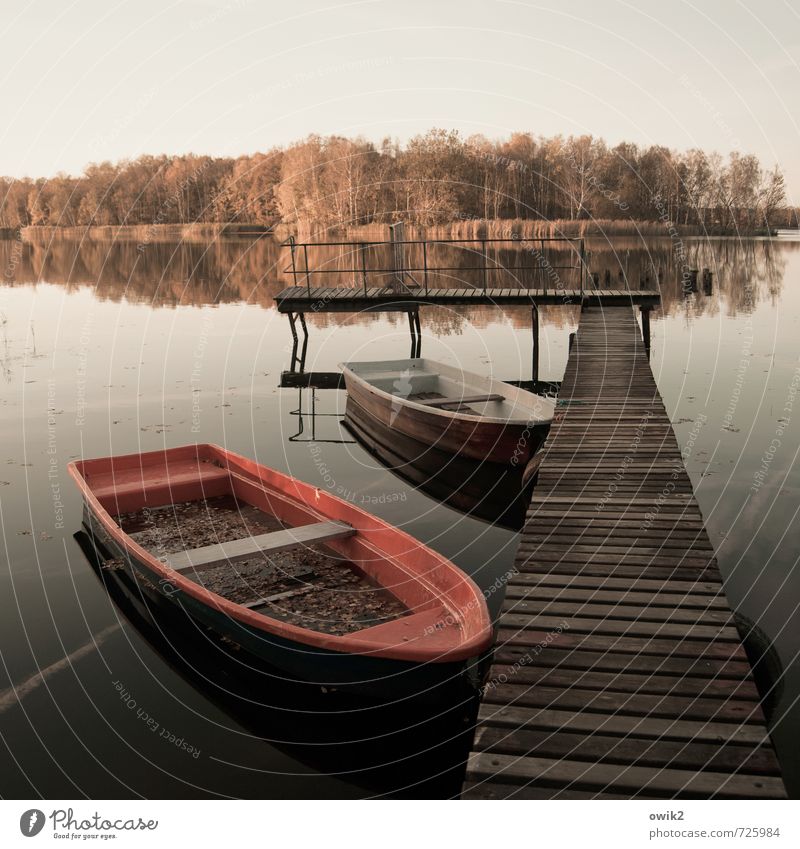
<point x="400" y="271"/>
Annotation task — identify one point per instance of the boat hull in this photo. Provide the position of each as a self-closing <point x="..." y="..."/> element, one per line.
<point x="495" y="442"/>
<point x="372" y="677"/>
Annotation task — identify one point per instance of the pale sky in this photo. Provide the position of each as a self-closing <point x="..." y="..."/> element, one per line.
<point x="107" y="79"/>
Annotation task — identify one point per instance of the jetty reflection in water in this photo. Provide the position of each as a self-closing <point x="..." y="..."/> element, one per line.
<point x="230" y="269"/>
<point x="402" y="749"/>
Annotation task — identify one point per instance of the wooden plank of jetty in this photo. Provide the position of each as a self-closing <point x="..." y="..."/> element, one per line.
<point x="618" y="670"/>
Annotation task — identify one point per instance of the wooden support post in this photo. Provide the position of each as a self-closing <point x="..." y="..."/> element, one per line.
<point x="535" y="332"/>
<point x="646" y="329"/>
<point x="298" y="361"/>
<point x="583" y="266"/>
<point x="416" y="333"/>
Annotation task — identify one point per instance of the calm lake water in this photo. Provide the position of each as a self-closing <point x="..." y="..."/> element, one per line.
<point x="107" y="349"/>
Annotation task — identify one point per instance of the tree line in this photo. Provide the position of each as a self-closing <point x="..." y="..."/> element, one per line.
<point x="436" y="178"/>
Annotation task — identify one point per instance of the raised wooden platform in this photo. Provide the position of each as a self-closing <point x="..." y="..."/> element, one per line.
<point x="300" y="299"/>
<point x="618" y="669"/>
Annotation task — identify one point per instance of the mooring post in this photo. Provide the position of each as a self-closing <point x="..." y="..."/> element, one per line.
<point x="646" y="329"/>
<point x="535" y="332"/>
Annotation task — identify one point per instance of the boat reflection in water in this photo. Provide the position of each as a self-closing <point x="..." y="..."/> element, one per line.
<point x="405" y="748"/>
<point x="492" y="492"/>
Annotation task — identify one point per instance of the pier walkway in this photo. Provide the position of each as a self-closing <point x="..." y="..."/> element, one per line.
<point x="312" y="299"/>
<point x="618" y="671"/>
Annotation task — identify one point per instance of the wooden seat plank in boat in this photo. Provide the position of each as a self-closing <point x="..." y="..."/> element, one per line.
<point x="467" y="399"/>
<point x="210" y="556"/>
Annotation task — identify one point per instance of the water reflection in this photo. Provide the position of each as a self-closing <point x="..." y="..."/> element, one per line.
<point x="226" y="270"/>
<point x="488" y="491"/>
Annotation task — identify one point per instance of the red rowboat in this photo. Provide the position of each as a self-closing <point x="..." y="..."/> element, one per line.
<point x="312" y="584"/>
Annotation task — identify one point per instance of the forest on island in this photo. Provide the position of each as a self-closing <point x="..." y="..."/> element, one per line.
<point x="434" y="179"/>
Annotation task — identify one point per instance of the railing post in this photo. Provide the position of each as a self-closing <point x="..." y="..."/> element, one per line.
<point x="308" y="273"/>
<point x="542" y="268"/>
<point x="294" y="264"/>
<point x="363" y="251"/>
<point x="485" y="266"/>
<point x="583" y="266"/>
<point x="425" y="264"/>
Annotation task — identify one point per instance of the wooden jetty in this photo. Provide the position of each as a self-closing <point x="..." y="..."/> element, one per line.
<point x="553" y="271"/>
<point x="305" y="299"/>
<point x="618" y="669"/>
